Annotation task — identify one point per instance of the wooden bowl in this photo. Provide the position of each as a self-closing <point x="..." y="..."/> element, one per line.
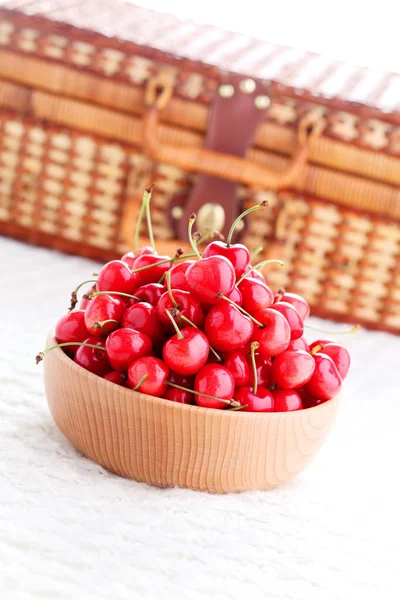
<point x="167" y="444"/>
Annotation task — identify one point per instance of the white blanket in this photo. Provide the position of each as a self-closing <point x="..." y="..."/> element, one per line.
<point x="69" y="529"/>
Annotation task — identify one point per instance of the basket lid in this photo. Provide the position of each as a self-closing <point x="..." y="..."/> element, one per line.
<point x="319" y="77"/>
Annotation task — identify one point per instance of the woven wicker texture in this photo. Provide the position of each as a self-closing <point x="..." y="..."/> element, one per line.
<point x="226" y="50"/>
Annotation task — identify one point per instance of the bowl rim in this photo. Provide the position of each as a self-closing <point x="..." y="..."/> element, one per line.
<point x="232" y="414"/>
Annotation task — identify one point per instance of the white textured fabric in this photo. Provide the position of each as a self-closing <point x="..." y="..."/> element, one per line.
<point x="69" y="529"/>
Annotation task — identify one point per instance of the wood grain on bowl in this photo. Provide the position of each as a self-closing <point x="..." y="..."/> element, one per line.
<point x="166" y="444"/>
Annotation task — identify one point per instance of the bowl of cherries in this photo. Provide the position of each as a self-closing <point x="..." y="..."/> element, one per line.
<point x="187" y="370"/>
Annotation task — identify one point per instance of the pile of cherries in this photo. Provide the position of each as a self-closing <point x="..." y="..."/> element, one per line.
<point x="200" y="329"/>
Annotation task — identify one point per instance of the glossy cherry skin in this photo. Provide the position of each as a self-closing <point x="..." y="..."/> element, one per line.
<point x="152" y="274"/>
<point x="338" y="354"/>
<point x="117" y="378"/>
<point x="91" y="359"/>
<point x="325" y="382"/>
<point x="299" y="344"/>
<point x="208" y="276"/>
<point x="129" y="258"/>
<point x="183" y="397"/>
<point x="126" y="345"/>
<point x="150" y="292"/>
<point x="227" y="329"/>
<point x="144" y="317"/>
<point x="262" y="401"/>
<point x="234" y="295"/>
<point x="214" y="380"/>
<point x="292" y="368"/>
<point x="256" y="295"/>
<point x="274" y="338"/>
<point x="286" y="400"/>
<point x="71" y="328"/>
<point x="188" y="306"/>
<point x="157" y="373"/>
<point x="307" y="400"/>
<point x="236" y="363"/>
<point x="237" y="254"/>
<point x="188" y="355"/>
<point x="299" y="303"/>
<point x="177" y="274"/>
<point x="102" y="308"/>
<point x="115" y="276"/>
<point x="258" y="275"/>
<point x="180" y="396"/>
<point x="292" y="317"/>
<point x="263" y="369"/>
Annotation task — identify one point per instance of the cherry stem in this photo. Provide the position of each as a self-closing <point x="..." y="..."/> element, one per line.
<point x="178" y="331"/>
<point x="147" y="199"/>
<point x="74" y="294"/>
<point x="41" y="355"/>
<point x="231" y="402"/>
<point x="354" y="329"/>
<point x="139" y="220"/>
<point x="238" y="407"/>
<point x="91" y="295"/>
<point x="259" y="267"/>
<point x="240" y="217"/>
<point x="191" y="241"/>
<point x="165" y="260"/>
<point x="316" y="349"/>
<point x="244" y="312"/>
<point x="189" y="322"/>
<point x="170" y="294"/>
<point x="137" y="386"/>
<point x="100" y="324"/>
<point x="256" y="252"/>
<point x="211" y="235"/>
<point x="253" y="347"/>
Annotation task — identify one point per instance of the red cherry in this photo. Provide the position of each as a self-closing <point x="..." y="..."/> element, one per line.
<point x="153" y="273"/>
<point x="274" y="338"/>
<point x="236" y="363"/>
<point x="292" y="317"/>
<point x="83" y="302"/>
<point x="126" y="345"/>
<point x="299" y="344"/>
<point x="177" y="274"/>
<point x="157" y="373"/>
<point x="325" y="382"/>
<point x="292" y="368"/>
<point x="71" y="328"/>
<point x="226" y="328"/>
<point x="208" y="276"/>
<point x="237" y="254"/>
<point x="258" y="275"/>
<point x="104" y="308"/>
<point x="129" y="258"/>
<point x="188" y="306"/>
<point x="338" y="354"/>
<point x="300" y="304"/>
<point x="286" y="400"/>
<point x="187" y="352"/>
<point x="180" y="396"/>
<point x="261" y="401"/>
<point x="234" y="295"/>
<point x="264" y="371"/>
<point x="145" y="250"/>
<point x="150" y="292"/>
<point x="117" y="378"/>
<point x="91" y="359"/>
<point x="214" y="380"/>
<point x="183" y="380"/>
<point x="255" y="294"/>
<point x="115" y="276"/>
<point x="309" y="401"/>
<point x="144" y="317"/>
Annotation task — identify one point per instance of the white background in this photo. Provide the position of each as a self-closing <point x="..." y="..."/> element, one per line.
<point x="360" y="32"/>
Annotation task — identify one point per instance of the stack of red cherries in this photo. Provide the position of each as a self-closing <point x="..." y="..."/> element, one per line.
<point x="200" y="328"/>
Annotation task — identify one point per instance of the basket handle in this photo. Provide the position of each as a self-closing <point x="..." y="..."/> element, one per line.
<point x="209" y="162"/>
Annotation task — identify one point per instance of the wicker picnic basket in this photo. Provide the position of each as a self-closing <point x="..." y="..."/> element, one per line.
<point x="100" y="98"/>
